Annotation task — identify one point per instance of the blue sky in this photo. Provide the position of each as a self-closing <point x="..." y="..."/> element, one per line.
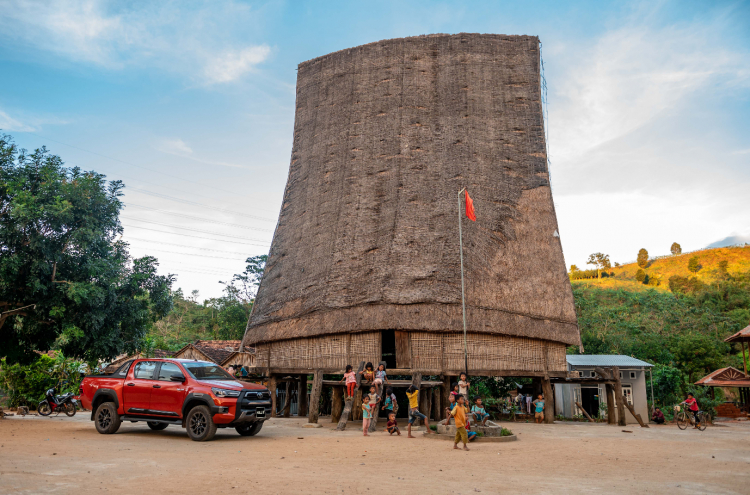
<point x="191" y="104"/>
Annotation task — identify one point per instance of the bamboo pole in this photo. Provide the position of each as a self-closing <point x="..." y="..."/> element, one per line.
<point x="463" y="290"/>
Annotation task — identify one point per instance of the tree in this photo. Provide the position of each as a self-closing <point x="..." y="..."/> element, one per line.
<point x="693" y="264"/>
<point x="247" y="282"/>
<point x="600" y="261"/>
<point x="723" y="266"/>
<point x="642" y="258"/>
<point x="573" y="268"/>
<point x="676" y="249"/>
<point x="640" y="275"/>
<point x="65" y="281"/>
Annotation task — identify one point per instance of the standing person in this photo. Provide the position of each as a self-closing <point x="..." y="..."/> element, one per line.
<point x="392" y="425"/>
<point x="390" y="405"/>
<point x="463" y="386"/>
<point x="539" y="409"/>
<point x="459" y="413"/>
<point x="374" y="397"/>
<point x="692" y="404"/>
<point x="351" y="381"/>
<point x="366" y="415"/>
<point x="413" y="394"/>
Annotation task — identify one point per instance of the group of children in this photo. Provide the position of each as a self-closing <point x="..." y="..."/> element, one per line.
<point x="457" y="409"/>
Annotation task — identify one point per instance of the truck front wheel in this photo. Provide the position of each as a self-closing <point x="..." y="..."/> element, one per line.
<point x="106" y="419"/>
<point x="249" y="429"/>
<point x="200" y="424"/>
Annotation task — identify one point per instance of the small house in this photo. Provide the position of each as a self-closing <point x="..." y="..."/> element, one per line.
<point x="120" y="360"/>
<point x="570" y="398"/>
<point x="209" y="350"/>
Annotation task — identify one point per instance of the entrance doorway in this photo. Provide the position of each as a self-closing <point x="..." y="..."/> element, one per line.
<point x="590" y="400"/>
<point x="388" y="348"/>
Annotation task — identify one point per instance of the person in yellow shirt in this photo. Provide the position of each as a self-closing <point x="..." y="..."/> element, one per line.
<point x="413" y="394"/>
<point x="459" y="413"/>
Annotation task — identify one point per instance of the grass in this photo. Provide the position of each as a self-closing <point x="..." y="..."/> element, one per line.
<point x="738" y="259"/>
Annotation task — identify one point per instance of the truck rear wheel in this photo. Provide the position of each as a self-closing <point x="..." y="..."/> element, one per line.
<point x="106" y="419"/>
<point x="200" y="424"/>
<point x="249" y="429"/>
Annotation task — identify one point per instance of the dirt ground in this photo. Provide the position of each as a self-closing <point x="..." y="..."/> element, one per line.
<point x="67" y="455"/>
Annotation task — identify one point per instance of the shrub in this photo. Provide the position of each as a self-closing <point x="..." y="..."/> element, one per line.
<point x="640" y="275"/>
<point x="694" y="264"/>
<point x="505" y="432"/>
<point x="26" y="384"/>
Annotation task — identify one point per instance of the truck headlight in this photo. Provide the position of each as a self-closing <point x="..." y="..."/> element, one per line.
<point x="221" y="392"/>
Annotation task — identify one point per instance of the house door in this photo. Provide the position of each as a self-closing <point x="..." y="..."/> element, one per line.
<point x="403" y="350"/>
<point x="590" y="400"/>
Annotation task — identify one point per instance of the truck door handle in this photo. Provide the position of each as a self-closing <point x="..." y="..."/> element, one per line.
<point x="131" y="384"/>
<point x="157" y="386"/>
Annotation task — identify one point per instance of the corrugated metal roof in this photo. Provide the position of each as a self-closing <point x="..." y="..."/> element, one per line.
<point x="605" y="360"/>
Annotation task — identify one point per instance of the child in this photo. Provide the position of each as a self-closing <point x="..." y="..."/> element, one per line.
<point x="380" y="376"/>
<point x="459" y="413"/>
<point x="451" y="405"/>
<point x="366" y="411"/>
<point x="454" y="392"/>
<point x="368" y="374"/>
<point x="390" y="404"/>
<point x="471" y="434"/>
<point x="463" y="386"/>
<point x="478" y="411"/>
<point x="392" y="426"/>
<point x="374" y="397"/>
<point x="351" y="381"/>
<point x="413" y="394"/>
<point x="539" y="409"/>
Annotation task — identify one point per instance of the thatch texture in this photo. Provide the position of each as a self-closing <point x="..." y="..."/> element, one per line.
<point x="385" y="136"/>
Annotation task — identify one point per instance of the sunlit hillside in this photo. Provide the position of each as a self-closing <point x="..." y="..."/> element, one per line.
<point x="662" y="268"/>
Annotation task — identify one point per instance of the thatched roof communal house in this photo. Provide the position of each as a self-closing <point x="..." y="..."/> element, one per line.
<point x="364" y="263"/>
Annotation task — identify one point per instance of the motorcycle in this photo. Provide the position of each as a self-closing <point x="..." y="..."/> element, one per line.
<point x="57" y="403"/>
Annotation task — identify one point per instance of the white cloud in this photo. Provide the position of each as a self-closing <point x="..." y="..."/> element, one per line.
<point x="8" y="123"/>
<point x="203" y="41"/>
<point x="178" y="147"/>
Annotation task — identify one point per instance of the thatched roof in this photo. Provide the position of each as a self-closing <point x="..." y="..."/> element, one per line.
<point x="213" y="350"/>
<point x="741" y="336"/>
<point x="385" y="136"/>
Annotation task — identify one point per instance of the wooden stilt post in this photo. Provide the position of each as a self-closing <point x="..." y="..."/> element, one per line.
<point x="428" y="412"/>
<point x="445" y="391"/>
<point x="272" y="387"/>
<point x="357" y="406"/>
<point x="345" y="414"/>
<point x="744" y="362"/>
<point x="287" y="410"/>
<point x="337" y="407"/>
<point x="549" y="401"/>
<point x="302" y="396"/>
<point x="611" y="414"/>
<point x="317" y="388"/>
<point x="621" y="419"/>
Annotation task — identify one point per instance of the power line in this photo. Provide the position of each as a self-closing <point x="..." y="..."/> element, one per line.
<point x="183" y="245"/>
<point x="194" y="236"/>
<point x="199" y="218"/>
<point x="179" y="200"/>
<point x="194" y="230"/>
<point x="199" y="255"/>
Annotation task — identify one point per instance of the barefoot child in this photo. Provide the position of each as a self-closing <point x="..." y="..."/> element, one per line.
<point x="539" y="410"/>
<point x="351" y="380"/>
<point x="463" y="387"/>
<point x="392" y="425"/>
<point x="380" y="376"/>
<point x="368" y="374"/>
<point x="478" y="411"/>
<point x="459" y="413"/>
<point x="413" y="394"/>
<point x="374" y="398"/>
<point x="366" y="411"/>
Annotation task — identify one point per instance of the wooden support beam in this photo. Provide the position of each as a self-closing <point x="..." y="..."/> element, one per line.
<point x="302" y="396"/>
<point x="584" y="412"/>
<point x="272" y="384"/>
<point x="357" y="406"/>
<point x="317" y="388"/>
<point x="287" y="410"/>
<point x="611" y="414"/>
<point x="549" y="401"/>
<point x="621" y="420"/>
<point x="445" y="391"/>
<point x="636" y="416"/>
<point x="337" y="407"/>
<point x="345" y="414"/>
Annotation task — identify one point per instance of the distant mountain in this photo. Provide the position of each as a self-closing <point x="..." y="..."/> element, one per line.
<point x="732" y="240"/>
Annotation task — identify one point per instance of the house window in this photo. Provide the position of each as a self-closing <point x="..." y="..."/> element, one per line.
<point x="627" y="392"/>
<point x="632" y="375"/>
<point x="621" y="375"/>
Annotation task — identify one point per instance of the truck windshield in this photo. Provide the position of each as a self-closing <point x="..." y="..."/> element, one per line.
<point x="206" y="371"/>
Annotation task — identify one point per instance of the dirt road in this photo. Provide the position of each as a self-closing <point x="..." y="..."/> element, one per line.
<point x="67" y="455"/>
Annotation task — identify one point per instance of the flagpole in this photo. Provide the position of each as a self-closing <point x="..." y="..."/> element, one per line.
<point x="463" y="290"/>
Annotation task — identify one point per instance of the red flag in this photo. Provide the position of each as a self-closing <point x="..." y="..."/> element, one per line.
<point x="470" y="208"/>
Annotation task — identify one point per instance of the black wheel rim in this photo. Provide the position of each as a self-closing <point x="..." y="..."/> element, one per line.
<point x="104" y="419"/>
<point x="198" y="424"/>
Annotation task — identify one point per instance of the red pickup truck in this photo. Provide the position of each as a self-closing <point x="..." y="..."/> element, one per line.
<point x="198" y="395"/>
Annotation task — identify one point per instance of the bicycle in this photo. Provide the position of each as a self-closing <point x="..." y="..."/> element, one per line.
<point x="683" y="419"/>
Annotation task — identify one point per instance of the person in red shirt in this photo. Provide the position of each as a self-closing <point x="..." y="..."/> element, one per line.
<point x="692" y="405"/>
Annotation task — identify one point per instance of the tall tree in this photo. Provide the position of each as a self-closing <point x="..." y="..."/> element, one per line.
<point x="676" y="248"/>
<point x="694" y="264"/>
<point x="600" y="261"/>
<point x="65" y="281"/>
<point x="246" y="283"/>
<point x="573" y="268"/>
<point x="642" y="259"/>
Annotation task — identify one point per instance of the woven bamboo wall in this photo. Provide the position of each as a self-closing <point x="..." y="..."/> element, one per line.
<point x="331" y="352"/>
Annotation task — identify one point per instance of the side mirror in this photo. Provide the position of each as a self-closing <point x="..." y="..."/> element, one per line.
<point x="177" y="378"/>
